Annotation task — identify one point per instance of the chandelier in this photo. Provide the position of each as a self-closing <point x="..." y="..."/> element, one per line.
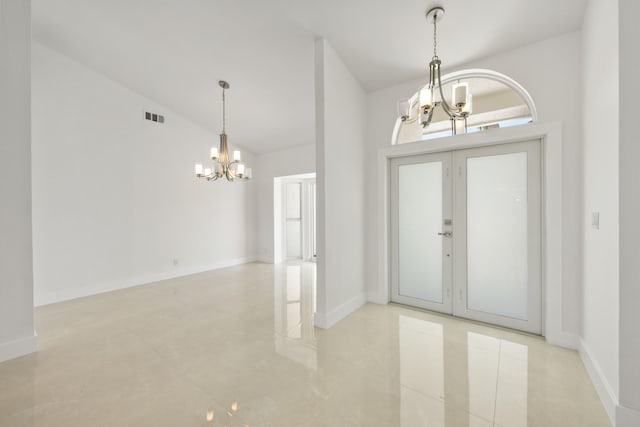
<point x="431" y="95"/>
<point x="222" y="166"/>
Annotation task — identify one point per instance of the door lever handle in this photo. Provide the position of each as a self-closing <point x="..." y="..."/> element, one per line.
<point x="445" y="234"/>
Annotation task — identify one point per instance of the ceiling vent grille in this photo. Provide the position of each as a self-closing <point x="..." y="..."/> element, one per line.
<point x="158" y="118"/>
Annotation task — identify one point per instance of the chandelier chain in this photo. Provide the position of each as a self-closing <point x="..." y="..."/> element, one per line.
<point x="435" y="35"/>
<point x="224" y="111"/>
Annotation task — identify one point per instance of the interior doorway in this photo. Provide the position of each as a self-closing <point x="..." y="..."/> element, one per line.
<point x="466" y="233"/>
<point x="295" y="217"/>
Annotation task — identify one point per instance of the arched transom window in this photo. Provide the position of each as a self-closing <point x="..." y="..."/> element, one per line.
<point x="498" y="101"/>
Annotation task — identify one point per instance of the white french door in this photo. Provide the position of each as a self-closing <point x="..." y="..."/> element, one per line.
<point x="421" y="247"/>
<point x="466" y="234"/>
<point x="498" y="226"/>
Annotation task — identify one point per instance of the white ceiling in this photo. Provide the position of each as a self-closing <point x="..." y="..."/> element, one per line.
<point x="385" y="42"/>
<point x="174" y="52"/>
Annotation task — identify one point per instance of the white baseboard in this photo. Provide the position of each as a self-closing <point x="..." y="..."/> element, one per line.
<point x="627" y="417"/>
<point x="563" y="339"/>
<point x="377" y="298"/>
<point x="604" y="389"/>
<point x="320" y="320"/>
<point x="327" y="320"/>
<point x="50" y="297"/>
<point x="20" y="347"/>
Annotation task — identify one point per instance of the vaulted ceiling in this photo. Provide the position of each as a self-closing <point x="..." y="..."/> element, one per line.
<point x="174" y="52"/>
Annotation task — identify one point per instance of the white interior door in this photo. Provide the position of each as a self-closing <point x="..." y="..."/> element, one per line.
<point x="421" y="242"/>
<point x="293" y="229"/>
<point x="299" y="219"/>
<point x="498" y="245"/>
<point x="466" y="234"/>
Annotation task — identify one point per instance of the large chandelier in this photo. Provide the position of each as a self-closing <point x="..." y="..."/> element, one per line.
<point x="222" y="166"/>
<point x="431" y="95"/>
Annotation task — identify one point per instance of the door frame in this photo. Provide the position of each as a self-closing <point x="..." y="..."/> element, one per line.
<point x="550" y="135"/>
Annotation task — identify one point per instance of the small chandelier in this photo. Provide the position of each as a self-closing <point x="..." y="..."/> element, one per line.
<point x="222" y="166"/>
<point x="461" y="99"/>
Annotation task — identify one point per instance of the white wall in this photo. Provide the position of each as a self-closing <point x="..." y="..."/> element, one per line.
<point x="293" y="161"/>
<point x="115" y="198"/>
<point x="340" y="138"/>
<point x="600" y="251"/>
<point x="629" y="177"/>
<point x="16" y="279"/>
<point x="555" y="89"/>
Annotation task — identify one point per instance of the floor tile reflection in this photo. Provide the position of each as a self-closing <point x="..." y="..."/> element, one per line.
<point x="237" y="347"/>
<point x="294" y="307"/>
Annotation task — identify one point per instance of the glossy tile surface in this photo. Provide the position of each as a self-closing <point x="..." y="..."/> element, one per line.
<point x="236" y="347"/>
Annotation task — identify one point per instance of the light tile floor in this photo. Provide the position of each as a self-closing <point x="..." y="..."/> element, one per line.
<point x="236" y="347"/>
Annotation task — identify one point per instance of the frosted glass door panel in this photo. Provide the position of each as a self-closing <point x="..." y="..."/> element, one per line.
<point x="420" y="220"/>
<point x="497" y="255"/>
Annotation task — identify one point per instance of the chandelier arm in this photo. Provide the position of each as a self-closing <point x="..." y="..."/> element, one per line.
<point x="445" y="106"/>
<point x="427" y="122"/>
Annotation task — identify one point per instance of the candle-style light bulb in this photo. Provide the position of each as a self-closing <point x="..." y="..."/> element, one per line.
<point x="240" y="169"/>
<point x="468" y="107"/>
<point x="247" y="173"/>
<point x="236" y="156"/>
<point x="426" y="98"/>
<point x="198" y="169"/>
<point x="459" y="93"/>
<point x="207" y="172"/>
<point x="214" y="153"/>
